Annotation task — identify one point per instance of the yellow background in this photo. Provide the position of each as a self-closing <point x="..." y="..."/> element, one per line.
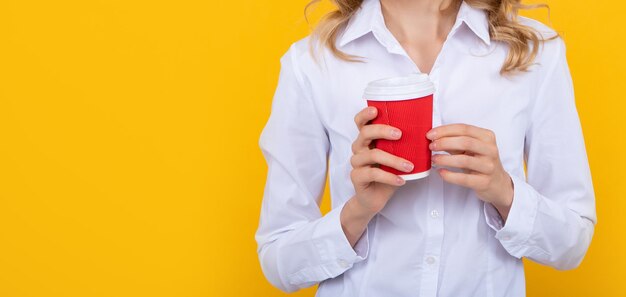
<point x="129" y="163"/>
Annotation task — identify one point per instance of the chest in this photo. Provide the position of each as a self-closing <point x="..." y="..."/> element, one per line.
<point x="469" y="89"/>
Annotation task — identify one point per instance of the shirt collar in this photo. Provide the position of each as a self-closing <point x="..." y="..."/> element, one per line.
<point x="369" y="18"/>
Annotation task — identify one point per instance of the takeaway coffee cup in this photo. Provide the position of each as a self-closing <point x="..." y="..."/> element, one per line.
<point x="404" y="102"/>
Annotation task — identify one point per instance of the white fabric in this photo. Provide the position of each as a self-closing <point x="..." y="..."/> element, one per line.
<point x="433" y="238"/>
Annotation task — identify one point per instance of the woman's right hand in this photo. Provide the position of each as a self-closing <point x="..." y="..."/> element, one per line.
<point x="373" y="186"/>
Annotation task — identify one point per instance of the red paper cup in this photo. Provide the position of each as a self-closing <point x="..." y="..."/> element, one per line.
<point x="404" y="102"/>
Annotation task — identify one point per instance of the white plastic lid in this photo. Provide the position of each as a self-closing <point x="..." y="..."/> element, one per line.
<point x="414" y="85"/>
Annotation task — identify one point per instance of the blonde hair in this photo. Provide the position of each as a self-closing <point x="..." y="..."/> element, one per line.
<point x="523" y="41"/>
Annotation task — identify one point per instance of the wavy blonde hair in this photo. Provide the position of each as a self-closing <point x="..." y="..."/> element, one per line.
<point x="523" y="41"/>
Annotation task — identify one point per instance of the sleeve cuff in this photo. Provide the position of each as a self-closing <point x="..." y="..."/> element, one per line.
<point x="336" y="255"/>
<point x="515" y="232"/>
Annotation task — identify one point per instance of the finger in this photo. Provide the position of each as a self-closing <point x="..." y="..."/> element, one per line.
<point x="373" y="131"/>
<point x="474" y="181"/>
<point x="365" y="115"/>
<point x="479" y="164"/>
<point x="378" y="156"/>
<point x="463" y="143"/>
<point x="363" y="176"/>
<point x="457" y="152"/>
<point x="460" y="129"/>
<point x="452" y="152"/>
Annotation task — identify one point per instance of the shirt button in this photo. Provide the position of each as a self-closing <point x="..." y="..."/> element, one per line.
<point x="343" y="263"/>
<point x="506" y="238"/>
<point x="430" y="260"/>
<point x="434" y="213"/>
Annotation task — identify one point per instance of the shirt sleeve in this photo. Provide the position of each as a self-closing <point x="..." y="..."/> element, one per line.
<point x="297" y="246"/>
<point x="552" y="218"/>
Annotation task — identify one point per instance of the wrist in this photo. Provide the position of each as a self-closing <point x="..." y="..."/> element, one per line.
<point x="354" y="220"/>
<point x="503" y="205"/>
<point x="357" y="211"/>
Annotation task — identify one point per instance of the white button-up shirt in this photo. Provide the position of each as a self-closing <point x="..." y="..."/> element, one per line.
<point x="433" y="238"/>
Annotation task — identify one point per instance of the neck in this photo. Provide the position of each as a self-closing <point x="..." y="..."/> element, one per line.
<point x="416" y="20"/>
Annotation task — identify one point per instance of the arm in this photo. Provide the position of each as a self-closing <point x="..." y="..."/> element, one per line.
<point x="297" y="246"/>
<point x="551" y="220"/>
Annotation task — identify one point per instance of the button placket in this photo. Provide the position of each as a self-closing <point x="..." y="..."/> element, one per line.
<point x="435" y="227"/>
<point x="434" y="237"/>
<point x="430" y="260"/>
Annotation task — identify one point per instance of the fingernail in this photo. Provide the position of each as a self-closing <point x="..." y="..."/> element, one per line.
<point x="407" y="166"/>
<point x="395" y="133"/>
<point x="372" y="110"/>
<point x="400" y="181"/>
<point x="430" y="134"/>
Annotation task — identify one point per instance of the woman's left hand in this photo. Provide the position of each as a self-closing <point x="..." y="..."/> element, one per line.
<point x="474" y="150"/>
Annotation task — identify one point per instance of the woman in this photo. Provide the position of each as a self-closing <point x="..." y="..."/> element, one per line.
<point x="503" y="96"/>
